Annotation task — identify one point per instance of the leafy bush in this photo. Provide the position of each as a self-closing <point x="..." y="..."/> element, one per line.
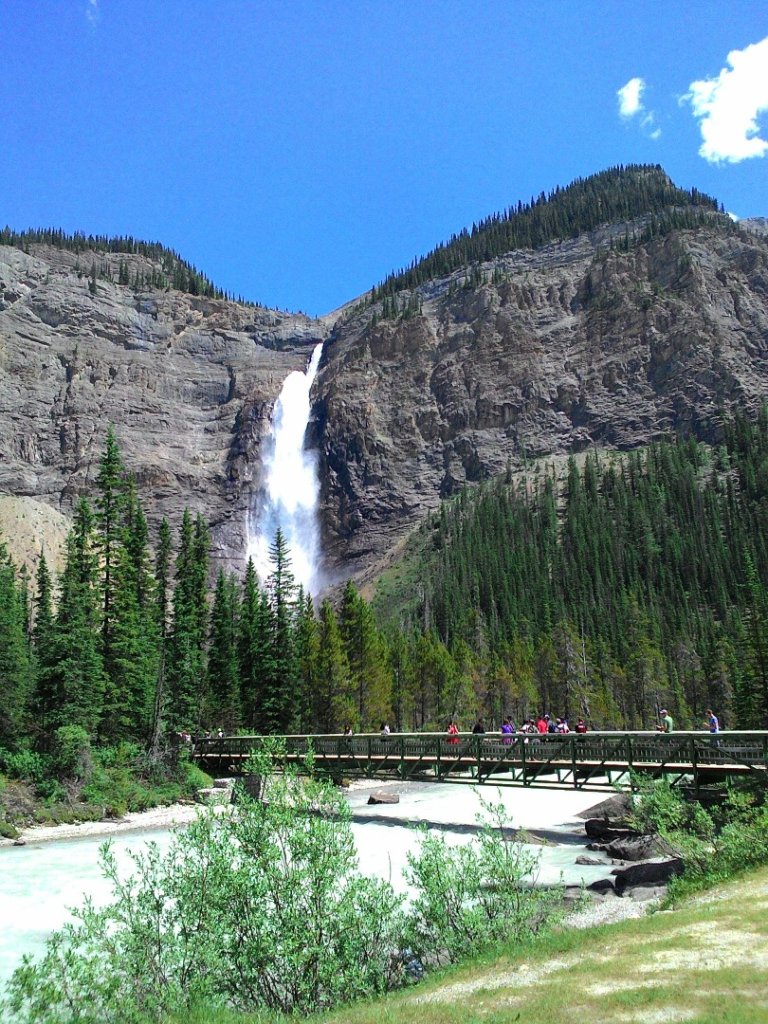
<point x="71" y="756"/>
<point x="65" y="813"/>
<point x="713" y="846"/>
<point x="24" y="764"/>
<point x="661" y="809"/>
<point x="469" y="897"/>
<point x="194" y="778"/>
<point x="263" y="908"/>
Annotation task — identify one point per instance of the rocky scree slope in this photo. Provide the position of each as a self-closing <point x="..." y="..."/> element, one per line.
<point x="578" y="343"/>
<point x="188" y="383"/>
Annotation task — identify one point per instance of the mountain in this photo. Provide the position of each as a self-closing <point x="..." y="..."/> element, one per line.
<point x="626" y="333"/>
<point x="610" y="313"/>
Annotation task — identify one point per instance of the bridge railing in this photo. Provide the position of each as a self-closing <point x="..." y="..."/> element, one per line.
<point x="629" y="749"/>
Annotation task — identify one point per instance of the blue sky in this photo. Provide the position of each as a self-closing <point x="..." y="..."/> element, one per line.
<point x="298" y="150"/>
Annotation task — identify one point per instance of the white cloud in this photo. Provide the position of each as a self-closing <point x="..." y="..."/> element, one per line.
<point x="728" y="106"/>
<point x="630" y="97"/>
<point x="631" y="105"/>
<point x="92" y="11"/>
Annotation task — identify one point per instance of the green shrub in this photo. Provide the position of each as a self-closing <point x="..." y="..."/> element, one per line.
<point x="470" y="897"/>
<point x="8" y="831"/>
<point x="67" y="813"/>
<point x="51" y="791"/>
<point x="194" y="778"/>
<point x="265" y="908"/>
<point x="659" y="808"/>
<point x="26" y="765"/>
<point x="71" y="756"/>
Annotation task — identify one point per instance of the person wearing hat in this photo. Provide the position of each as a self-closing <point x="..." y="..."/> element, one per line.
<point x="667" y="724"/>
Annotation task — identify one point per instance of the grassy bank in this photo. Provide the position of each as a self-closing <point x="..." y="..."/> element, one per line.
<point x="706" y="962"/>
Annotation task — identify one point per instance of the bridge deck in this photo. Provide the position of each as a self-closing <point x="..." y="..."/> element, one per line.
<point x="588" y="761"/>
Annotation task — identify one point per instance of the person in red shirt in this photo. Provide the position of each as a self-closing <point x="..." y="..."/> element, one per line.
<point x="541" y="724"/>
<point x="453" y="732"/>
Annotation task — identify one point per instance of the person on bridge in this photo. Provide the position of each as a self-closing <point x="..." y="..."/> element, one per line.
<point x="667" y="722"/>
<point x="581" y="725"/>
<point x="453" y="732"/>
<point x="507" y="730"/>
<point x="712" y="721"/>
<point x="478" y="727"/>
<point x="541" y="724"/>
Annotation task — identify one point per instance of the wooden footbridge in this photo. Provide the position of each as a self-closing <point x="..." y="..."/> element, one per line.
<point x="596" y="760"/>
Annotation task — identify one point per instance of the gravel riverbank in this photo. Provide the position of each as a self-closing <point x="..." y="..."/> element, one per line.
<point x="155" y="818"/>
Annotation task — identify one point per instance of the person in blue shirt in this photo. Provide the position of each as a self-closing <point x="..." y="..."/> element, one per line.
<point x="712" y="720"/>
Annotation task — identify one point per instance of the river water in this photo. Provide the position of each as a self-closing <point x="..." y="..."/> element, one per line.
<point x="40" y="881"/>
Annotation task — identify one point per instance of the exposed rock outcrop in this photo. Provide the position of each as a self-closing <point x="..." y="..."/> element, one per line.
<point x="572" y="346"/>
<point x="188" y="383"/>
<point x="652" y="873"/>
<point x="542" y="353"/>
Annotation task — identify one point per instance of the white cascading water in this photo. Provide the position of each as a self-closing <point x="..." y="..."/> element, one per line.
<point x="290" y="490"/>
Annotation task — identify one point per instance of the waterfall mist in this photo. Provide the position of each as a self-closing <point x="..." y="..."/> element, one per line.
<point x="290" y="489"/>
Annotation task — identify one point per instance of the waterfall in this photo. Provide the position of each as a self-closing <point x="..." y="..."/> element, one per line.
<point x="289" y="495"/>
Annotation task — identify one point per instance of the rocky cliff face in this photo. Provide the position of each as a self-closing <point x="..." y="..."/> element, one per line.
<point x="535" y="353"/>
<point x="187" y="382"/>
<point x="557" y="350"/>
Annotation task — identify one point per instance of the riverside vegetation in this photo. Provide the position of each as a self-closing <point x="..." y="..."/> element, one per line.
<point x="264" y="912"/>
<point x="265" y="908"/>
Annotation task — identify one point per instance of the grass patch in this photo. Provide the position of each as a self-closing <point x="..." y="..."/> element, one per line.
<point x="706" y="962"/>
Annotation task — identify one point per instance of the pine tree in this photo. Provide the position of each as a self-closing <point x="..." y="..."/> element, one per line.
<point x="752" y="696"/>
<point x="307" y="647"/>
<point x="334" y="698"/>
<point x="366" y="657"/>
<point x="280" y="682"/>
<point x="78" y="675"/>
<point x="110" y="509"/>
<point x="185" y="665"/>
<point x="223" y="689"/>
<point x="160" y="617"/>
<point x="15" y="664"/>
<point x="254" y="650"/>
<point x="45" y="698"/>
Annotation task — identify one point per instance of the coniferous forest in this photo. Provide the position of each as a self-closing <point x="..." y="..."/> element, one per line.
<point x="620" y="586"/>
<point x="618" y="194"/>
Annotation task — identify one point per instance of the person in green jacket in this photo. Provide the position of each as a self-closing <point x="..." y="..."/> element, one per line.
<point x="667" y="723"/>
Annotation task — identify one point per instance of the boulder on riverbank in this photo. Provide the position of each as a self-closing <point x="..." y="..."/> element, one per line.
<point x="652" y="873"/>
<point x="608" y="829"/>
<point x="636" y="848"/>
<point x="615" y="807"/>
<point x="381" y="796"/>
